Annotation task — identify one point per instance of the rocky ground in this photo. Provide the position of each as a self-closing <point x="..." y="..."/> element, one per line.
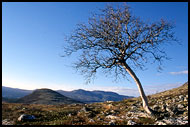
<point x="171" y="108"/>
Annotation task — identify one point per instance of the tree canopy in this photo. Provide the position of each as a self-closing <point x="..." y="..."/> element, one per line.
<point x="115" y="37"/>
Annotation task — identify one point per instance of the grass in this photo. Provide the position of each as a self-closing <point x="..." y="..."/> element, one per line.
<point x="70" y="114"/>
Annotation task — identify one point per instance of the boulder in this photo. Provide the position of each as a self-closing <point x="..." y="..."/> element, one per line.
<point x="25" y="117"/>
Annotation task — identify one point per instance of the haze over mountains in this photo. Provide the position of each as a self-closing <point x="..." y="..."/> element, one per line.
<point x="12" y="94"/>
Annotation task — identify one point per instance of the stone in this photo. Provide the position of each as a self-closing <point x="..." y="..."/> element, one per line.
<point x="169" y="121"/>
<point x="112" y="117"/>
<point x="112" y="122"/>
<point x="160" y="123"/>
<point x="181" y="97"/>
<point x="173" y="100"/>
<point x="25" y="117"/>
<point x="163" y="107"/>
<point x="168" y="98"/>
<point x="168" y="104"/>
<point x="130" y="122"/>
<point x="185" y="118"/>
<point x="180" y="106"/>
<point x="122" y="117"/>
<point x="155" y="107"/>
<point x="69" y="115"/>
<point x="168" y="109"/>
<point x="84" y="109"/>
<point x="142" y="114"/>
<point x="109" y="106"/>
<point x="133" y="107"/>
<point x="180" y="121"/>
<point x="7" y="122"/>
<point x="91" y="121"/>
<point x="185" y="99"/>
<point x="109" y="101"/>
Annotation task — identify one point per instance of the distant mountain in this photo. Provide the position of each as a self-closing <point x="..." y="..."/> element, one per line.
<point x="46" y="96"/>
<point x="8" y="92"/>
<point x="80" y="95"/>
<point x="93" y="96"/>
<point x="9" y="100"/>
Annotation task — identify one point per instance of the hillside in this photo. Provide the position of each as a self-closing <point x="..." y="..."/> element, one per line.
<point x="11" y="94"/>
<point x="46" y="96"/>
<point x="171" y="107"/>
<point x="93" y="96"/>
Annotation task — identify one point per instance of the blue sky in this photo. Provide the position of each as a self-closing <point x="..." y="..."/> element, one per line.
<point x="33" y="36"/>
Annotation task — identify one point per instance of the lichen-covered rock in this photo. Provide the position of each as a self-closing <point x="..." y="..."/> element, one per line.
<point x="25" y="117"/>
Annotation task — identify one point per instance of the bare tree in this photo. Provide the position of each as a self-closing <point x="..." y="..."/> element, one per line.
<point x="116" y="41"/>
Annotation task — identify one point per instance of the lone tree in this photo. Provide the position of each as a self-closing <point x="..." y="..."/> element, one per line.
<point x="116" y="41"/>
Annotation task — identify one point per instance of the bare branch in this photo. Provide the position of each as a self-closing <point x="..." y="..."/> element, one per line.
<point x="116" y="36"/>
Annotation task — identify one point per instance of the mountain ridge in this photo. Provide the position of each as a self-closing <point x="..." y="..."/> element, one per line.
<point x="79" y="94"/>
<point x="46" y="96"/>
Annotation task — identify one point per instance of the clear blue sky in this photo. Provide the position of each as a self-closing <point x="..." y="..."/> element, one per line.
<point x="33" y="36"/>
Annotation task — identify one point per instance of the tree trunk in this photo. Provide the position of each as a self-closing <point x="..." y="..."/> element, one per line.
<point x="142" y="94"/>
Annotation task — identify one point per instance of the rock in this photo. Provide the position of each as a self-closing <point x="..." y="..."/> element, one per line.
<point x="109" y="101"/>
<point x="187" y="108"/>
<point x="130" y="122"/>
<point x="163" y="107"/>
<point x="173" y="100"/>
<point x="155" y="107"/>
<point x="109" y="106"/>
<point x="168" y="98"/>
<point x="112" y="122"/>
<point x="185" y="118"/>
<point x="84" y="109"/>
<point x="168" y="104"/>
<point x="112" y="117"/>
<point x="142" y="114"/>
<point x="25" y="117"/>
<point x="122" y="117"/>
<point x="160" y="123"/>
<point x="133" y="107"/>
<point x="185" y="99"/>
<point x="112" y="111"/>
<point x="181" y="97"/>
<point x="180" y="121"/>
<point x="91" y="121"/>
<point x="169" y="121"/>
<point x="69" y="115"/>
<point x="180" y="106"/>
<point x="7" y="122"/>
<point x="168" y="109"/>
<point x="23" y="108"/>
